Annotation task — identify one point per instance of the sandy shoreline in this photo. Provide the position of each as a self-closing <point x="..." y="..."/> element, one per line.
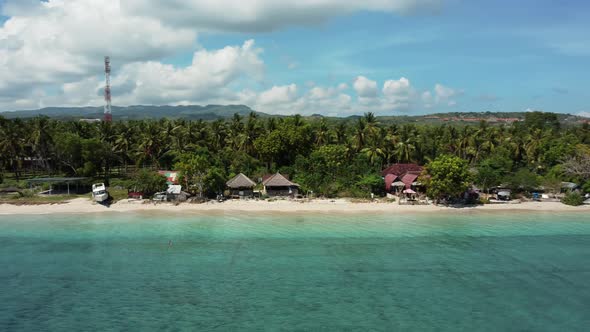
<point x="339" y="206"/>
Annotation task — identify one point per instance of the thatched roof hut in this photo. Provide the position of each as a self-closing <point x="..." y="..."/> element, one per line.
<point x="240" y="181"/>
<point x="278" y="185"/>
<point x="278" y="180"/>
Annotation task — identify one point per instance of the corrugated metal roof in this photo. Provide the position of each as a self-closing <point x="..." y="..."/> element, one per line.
<point x="400" y="169"/>
<point x="389" y="178"/>
<point x="408" y="179"/>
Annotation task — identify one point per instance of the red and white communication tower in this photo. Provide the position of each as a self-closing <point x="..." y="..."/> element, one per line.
<point x="108" y="116"/>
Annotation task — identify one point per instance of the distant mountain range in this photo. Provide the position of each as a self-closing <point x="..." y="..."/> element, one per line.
<point x="140" y="112"/>
<point x="215" y="112"/>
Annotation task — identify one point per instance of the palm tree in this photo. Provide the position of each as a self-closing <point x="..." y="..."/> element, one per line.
<point x="359" y="137"/>
<point x="371" y="124"/>
<point x="340" y="132"/>
<point x="123" y="144"/>
<point x="12" y="145"/>
<point x="219" y="134"/>
<point x="405" y="150"/>
<point x="375" y="154"/>
<point x="251" y="133"/>
<point x="150" y="147"/>
<point x="322" y="136"/>
<point x="41" y="140"/>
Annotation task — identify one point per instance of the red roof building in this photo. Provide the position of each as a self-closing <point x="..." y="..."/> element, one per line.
<point x="171" y="176"/>
<point x="406" y="173"/>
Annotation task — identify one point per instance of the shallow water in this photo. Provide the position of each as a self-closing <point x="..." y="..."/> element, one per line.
<point x="465" y="271"/>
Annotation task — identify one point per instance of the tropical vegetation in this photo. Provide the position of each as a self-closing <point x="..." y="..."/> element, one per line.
<point x="331" y="157"/>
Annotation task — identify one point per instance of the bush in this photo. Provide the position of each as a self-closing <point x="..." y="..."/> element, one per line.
<point x="483" y="201"/>
<point x="123" y="183"/>
<point x="29" y="193"/>
<point x="573" y="199"/>
<point x="148" y="182"/>
<point x="89" y="169"/>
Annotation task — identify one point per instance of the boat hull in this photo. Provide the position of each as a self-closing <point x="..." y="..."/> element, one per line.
<point x="100" y="198"/>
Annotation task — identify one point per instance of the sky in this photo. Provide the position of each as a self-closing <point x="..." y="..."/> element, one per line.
<point x="329" y="57"/>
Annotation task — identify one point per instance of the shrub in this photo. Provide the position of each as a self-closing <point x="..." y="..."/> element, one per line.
<point x="123" y="183"/>
<point x="148" y="182"/>
<point x="483" y="200"/>
<point x="29" y="193"/>
<point x="573" y="199"/>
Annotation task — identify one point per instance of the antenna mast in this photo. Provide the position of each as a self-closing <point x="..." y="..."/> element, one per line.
<point x="108" y="116"/>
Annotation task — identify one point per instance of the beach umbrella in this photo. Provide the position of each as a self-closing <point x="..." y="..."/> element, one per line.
<point x="409" y="191"/>
<point x="398" y="184"/>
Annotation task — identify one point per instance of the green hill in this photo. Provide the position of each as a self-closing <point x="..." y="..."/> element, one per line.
<point x="192" y="112"/>
<point x="215" y="112"/>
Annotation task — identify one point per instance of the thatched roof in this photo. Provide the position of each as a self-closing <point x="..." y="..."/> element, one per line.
<point x="240" y="181"/>
<point x="278" y="180"/>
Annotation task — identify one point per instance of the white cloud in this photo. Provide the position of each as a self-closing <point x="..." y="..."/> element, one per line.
<point x="396" y="88"/>
<point x="584" y="114"/>
<point x="318" y="100"/>
<point x="206" y="80"/>
<point x="62" y="41"/>
<point x="427" y="99"/>
<point x="365" y="88"/>
<point x="51" y="54"/>
<point x="264" y="15"/>
<point x="278" y="95"/>
<point x="445" y="95"/>
<point x="529" y="110"/>
<point x="321" y="93"/>
<point x="397" y="96"/>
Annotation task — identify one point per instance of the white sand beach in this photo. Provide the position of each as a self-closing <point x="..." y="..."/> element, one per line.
<point x="336" y="206"/>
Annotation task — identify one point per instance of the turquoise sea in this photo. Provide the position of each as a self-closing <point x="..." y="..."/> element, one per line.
<point x="231" y="272"/>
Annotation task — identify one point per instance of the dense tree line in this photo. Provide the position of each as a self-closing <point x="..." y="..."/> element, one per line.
<point x="337" y="157"/>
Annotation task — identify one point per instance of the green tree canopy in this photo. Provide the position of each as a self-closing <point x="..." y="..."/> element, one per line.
<point x="447" y="177"/>
<point x="148" y="182"/>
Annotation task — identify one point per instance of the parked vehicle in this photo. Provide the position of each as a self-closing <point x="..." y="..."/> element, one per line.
<point x="99" y="192"/>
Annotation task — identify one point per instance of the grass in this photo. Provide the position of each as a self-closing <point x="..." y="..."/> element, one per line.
<point x="118" y="194"/>
<point x="33" y="200"/>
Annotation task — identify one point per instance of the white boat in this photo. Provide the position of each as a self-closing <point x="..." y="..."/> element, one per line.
<point x="99" y="192"/>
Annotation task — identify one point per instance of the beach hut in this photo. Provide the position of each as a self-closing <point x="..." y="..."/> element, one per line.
<point x="401" y="176"/>
<point x="279" y="185"/>
<point x="241" y="186"/>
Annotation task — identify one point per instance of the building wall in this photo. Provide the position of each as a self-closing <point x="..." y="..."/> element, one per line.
<point x="281" y="191"/>
<point x="245" y="192"/>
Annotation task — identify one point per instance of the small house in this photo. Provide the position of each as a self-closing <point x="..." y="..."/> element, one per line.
<point x="241" y="186"/>
<point x="400" y="177"/>
<point x="171" y="176"/>
<point x="279" y="185"/>
<point x="567" y="187"/>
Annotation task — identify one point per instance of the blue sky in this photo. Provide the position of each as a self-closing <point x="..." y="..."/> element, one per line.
<point x="484" y="55"/>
